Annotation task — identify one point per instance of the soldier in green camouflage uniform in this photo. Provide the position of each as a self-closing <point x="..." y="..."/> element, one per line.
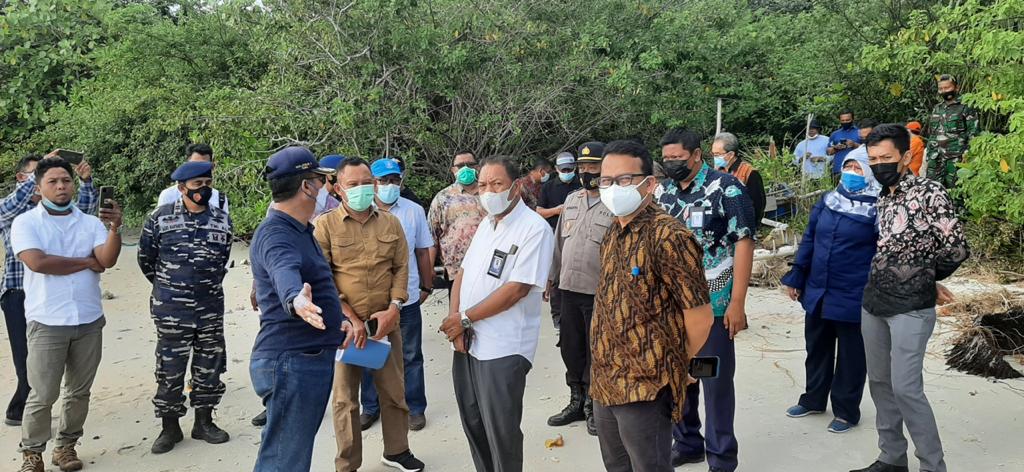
<point x="949" y="130"/>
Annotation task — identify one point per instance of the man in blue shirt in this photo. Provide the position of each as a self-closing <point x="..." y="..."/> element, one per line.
<point x="842" y="141"/>
<point x="12" y="295"/>
<point x="812" y="153"/>
<point x="292" y="364"/>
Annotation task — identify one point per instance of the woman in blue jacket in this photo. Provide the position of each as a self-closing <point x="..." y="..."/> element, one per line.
<point x="828" y="277"/>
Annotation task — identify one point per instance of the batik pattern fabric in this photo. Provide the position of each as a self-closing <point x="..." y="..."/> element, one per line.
<point x="726" y="217"/>
<point x="920" y="241"/>
<point x="651" y="272"/>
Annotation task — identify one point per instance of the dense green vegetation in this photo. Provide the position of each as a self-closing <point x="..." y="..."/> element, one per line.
<point x="132" y="82"/>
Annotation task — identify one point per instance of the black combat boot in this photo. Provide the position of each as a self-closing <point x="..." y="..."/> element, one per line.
<point x="169" y="436"/>
<point x="571" y="413"/>
<point x="588" y="411"/>
<point x="205" y="430"/>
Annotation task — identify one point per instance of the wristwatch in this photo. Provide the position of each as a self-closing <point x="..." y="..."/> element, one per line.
<point x="397" y="303"/>
<point x="466" y="322"/>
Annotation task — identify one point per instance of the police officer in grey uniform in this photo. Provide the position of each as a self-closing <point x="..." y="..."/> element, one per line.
<point x="575" y="269"/>
<point x="184" y="252"/>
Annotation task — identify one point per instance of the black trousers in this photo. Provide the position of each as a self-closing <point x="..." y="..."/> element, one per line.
<point x="835" y="364"/>
<point x="574" y="337"/>
<point x="636" y="437"/>
<point x="13" y="305"/>
<point x="490" y="398"/>
<point x="556" y="307"/>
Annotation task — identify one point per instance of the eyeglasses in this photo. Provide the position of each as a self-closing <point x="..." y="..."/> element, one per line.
<point x="319" y="178"/>
<point x="389" y="180"/>
<point x="623" y="180"/>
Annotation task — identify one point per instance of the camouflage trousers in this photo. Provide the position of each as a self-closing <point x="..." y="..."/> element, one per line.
<point x="187" y="330"/>
<point x="943" y="171"/>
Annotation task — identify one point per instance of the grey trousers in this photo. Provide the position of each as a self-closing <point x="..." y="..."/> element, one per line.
<point x="490" y="398"/>
<point x="55" y="352"/>
<point x="895" y="348"/>
<point x="636" y="437"/>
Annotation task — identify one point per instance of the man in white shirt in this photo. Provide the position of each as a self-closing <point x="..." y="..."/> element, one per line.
<point x="64" y="251"/>
<point x="388" y="175"/>
<point x="495" y="316"/>
<point x="196" y="153"/>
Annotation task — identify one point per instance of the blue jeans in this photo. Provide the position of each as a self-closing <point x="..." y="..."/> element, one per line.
<point x="411" y="324"/>
<point x="295" y="389"/>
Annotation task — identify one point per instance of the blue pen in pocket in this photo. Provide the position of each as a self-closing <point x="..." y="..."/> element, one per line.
<point x="635" y="272"/>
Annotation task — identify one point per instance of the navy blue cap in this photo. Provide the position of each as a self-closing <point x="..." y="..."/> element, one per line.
<point x="331" y="161"/>
<point x="192" y="170"/>
<point x="590" y="152"/>
<point x="290" y="161"/>
<point x="385" y="166"/>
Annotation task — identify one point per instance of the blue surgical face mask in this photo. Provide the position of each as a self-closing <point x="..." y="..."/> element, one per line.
<point x="720" y="162"/>
<point x="545" y="178"/>
<point x="55" y="207"/>
<point x="388" y="193"/>
<point x="853" y="182"/>
<point x="566" y="176"/>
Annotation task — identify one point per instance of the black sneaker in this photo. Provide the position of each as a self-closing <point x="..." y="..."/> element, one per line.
<point x="880" y="466"/>
<point x="679" y="459"/>
<point x="260" y="419"/>
<point x="406" y="462"/>
<point x="367" y="420"/>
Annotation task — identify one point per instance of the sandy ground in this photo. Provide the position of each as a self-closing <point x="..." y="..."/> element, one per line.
<point x="982" y="422"/>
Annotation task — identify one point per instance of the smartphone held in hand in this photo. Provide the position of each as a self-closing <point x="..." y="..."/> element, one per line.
<point x="704" y="367"/>
<point x="73" y="157"/>
<point x="106" y="197"/>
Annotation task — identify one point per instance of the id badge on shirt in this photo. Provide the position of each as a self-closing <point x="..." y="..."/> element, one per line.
<point x="499" y="260"/>
<point x="695" y="217"/>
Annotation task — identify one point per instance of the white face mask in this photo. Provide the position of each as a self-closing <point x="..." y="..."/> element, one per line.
<point x="622" y="201"/>
<point x="495" y="203"/>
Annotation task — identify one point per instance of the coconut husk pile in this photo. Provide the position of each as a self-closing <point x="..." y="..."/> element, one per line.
<point x="990" y="335"/>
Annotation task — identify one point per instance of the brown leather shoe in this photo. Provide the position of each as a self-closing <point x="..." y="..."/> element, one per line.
<point x="33" y="463"/>
<point x="66" y="458"/>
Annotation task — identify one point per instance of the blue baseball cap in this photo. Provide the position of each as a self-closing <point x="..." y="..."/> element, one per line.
<point x="385" y="166"/>
<point x="331" y="161"/>
<point x="192" y="170"/>
<point x="291" y="161"/>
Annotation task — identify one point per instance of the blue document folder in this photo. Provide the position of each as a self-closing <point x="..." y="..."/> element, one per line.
<point x="372" y="356"/>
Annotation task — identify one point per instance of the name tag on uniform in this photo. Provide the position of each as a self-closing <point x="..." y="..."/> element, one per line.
<point x="171" y="223"/>
<point x="695" y="219"/>
<point x="217" y="237"/>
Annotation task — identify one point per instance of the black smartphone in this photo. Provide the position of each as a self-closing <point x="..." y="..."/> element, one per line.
<point x="73" y="157"/>
<point x="704" y="367"/>
<point x="371" y="327"/>
<point x="106" y="193"/>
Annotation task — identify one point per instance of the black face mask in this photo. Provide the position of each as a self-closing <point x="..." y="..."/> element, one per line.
<point x="947" y="95"/>
<point x="887" y="174"/>
<point x="200" y="196"/>
<point x="847" y="125"/>
<point x="589" y="180"/>
<point x="677" y="170"/>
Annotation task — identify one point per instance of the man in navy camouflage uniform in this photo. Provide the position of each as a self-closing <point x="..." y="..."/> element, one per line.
<point x="184" y="251"/>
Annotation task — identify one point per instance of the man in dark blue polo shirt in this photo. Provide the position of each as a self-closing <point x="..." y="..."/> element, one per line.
<point x="292" y="365"/>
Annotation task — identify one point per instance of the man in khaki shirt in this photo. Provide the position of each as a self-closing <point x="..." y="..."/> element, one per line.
<point x="575" y="270"/>
<point x="367" y="252"/>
